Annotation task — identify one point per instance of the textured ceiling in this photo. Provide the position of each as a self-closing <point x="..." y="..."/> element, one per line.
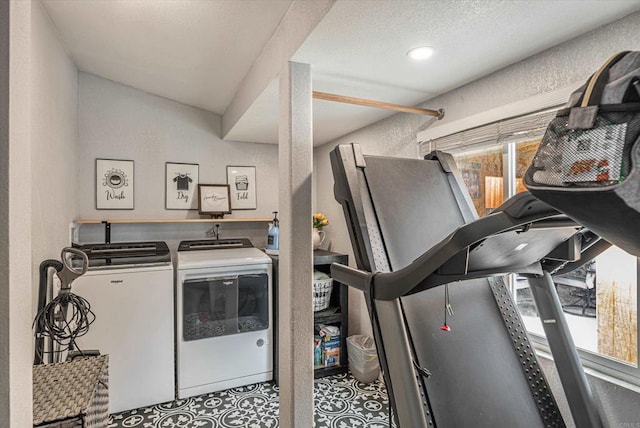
<point x="198" y="52"/>
<point x="359" y="50"/>
<point x="194" y="52"/>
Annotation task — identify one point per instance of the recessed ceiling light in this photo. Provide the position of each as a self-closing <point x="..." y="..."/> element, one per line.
<point x="421" y="53"/>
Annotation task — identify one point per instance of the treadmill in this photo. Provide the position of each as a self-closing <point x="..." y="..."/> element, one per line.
<point x="420" y="250"/>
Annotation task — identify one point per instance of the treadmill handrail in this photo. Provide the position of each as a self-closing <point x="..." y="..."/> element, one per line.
<point x="413" y="278"/>
<point x="352" y="277"/>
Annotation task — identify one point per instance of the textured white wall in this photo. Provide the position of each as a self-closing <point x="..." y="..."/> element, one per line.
<point x="54" y="142"/>
<point x="558" y="67"/>
<point x="41" y="187"/>
<point x="15" y="232"/>
<point x="5" y="303"/>
<point x="119" y="122"/>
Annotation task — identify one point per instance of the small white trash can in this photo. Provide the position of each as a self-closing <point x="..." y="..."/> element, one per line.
<point x="363" y="359"/>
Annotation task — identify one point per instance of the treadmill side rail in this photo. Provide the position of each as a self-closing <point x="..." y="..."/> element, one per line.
<point x="565" y="355"/>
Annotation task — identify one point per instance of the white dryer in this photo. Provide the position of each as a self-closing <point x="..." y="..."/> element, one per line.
<point x="130" y="289"/>
<point x="223" y="316"/>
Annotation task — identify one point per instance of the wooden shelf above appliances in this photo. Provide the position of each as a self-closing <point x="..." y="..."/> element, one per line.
<point x="107" y="223"/>
<point x="174" y="220"/>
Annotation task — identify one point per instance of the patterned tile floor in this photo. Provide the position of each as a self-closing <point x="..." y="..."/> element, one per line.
<point x="340" y="402"/>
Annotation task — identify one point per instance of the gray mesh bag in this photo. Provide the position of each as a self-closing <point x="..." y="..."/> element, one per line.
<point x="587" y="163"/>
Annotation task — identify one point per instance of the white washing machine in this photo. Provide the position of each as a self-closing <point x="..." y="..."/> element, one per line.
<point x="223" y="316"/>
<point x="130" y="289"/>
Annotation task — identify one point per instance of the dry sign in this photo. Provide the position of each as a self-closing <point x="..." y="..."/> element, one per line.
<point x="181" y="182"/>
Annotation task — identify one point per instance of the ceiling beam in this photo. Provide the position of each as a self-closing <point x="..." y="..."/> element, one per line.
<point x="299" y="21"/>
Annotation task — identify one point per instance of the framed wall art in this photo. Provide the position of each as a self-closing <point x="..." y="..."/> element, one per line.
<point x="242" y="181"/>
<point x="181" y="182"/>
<point x="114" y="184"/>
<point x="214" y="200"/>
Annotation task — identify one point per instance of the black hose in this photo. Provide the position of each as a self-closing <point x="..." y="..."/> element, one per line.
<point x="42" y="302"/>
<point x="65" y="318"/>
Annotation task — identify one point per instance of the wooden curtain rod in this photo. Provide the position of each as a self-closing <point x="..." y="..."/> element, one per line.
<point x="369" y="103"/>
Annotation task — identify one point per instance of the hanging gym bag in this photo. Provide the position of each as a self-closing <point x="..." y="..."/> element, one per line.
<point x="588" y="163"/>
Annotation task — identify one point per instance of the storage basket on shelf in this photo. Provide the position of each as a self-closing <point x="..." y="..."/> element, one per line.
<point x="322" y="286"/>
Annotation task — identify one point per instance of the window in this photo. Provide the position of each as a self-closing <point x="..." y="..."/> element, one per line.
<point x="525" y="151"/>
<point x="600" y="305"/>
<point x="482" y="172"/>
<point x="599" y="300"/>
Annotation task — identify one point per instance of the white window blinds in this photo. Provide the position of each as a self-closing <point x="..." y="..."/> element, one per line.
<point x="522" y="128"/>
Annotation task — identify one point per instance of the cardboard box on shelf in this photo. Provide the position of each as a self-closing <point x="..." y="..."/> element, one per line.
<point x="331" y="351"/>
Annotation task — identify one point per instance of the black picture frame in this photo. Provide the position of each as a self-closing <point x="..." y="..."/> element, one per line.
<point x="181" y="186"/>
<point x="243" y="184"/>
<point x="214" y="200"/>
<point x="115" y="184"/>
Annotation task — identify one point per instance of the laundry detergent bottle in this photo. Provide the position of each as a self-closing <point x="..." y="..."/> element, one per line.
<point x="274" y="232"/>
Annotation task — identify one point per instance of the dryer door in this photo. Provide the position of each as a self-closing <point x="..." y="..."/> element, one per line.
<point x="225" y="305"/>
<point x="226" y="333"/>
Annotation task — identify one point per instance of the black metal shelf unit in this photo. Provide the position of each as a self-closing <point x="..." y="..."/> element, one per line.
<point x="336" y="314"/>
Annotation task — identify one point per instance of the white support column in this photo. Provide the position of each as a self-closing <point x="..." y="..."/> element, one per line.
<point x="295" y="329"/>
<point x="5" y="336"/>
<point x="16" y="356"/>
